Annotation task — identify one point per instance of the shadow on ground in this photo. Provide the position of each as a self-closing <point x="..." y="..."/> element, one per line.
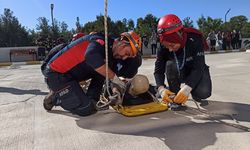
<point x="186" y="129"/>
<point x="21" y="91"/>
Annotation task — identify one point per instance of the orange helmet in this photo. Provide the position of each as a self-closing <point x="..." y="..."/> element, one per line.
<point x="77" y="36"/>
<point x="134" y="40"/>
<point x="169" y="24"/>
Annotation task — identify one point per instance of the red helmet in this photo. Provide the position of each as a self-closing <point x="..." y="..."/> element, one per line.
<point x="169" y="24"/>
<point x="77" y="36"/>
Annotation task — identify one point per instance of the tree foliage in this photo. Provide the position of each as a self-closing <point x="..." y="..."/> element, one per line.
<point x="207" y="24"/>
<point x="145" y="26"/>
<point x="187" y="22"/>
<point x="49" y="36"/>
<point x="12" y="33"/>
<point x="238" y="23"/>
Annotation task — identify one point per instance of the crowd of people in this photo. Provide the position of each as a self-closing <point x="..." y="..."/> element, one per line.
<point x="216" y="41"/>
<point x="224" y="40"/>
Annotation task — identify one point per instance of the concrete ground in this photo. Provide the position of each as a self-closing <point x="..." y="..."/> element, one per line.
<point x="26" y="125"/>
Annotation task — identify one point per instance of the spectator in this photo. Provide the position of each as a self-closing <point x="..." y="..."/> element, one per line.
<point x="240" y="39"/>
<point x="153" y="40"/>
<point x="145" y="41"/>
<point x="233" y="39"/>
<point x="228" y="40"/>
<point x="212" y="39"/>
<point x="224" y="40"/>
<point x="219" y="38"/>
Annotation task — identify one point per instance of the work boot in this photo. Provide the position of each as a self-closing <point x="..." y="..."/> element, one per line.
<point x="197" y="99"/>
<point x="48" y="101"/>
<point x="203" y="102"/>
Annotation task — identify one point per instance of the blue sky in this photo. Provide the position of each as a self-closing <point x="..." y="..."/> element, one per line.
<point x="27" y="11"/>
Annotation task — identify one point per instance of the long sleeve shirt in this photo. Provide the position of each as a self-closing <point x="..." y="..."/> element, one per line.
<point x="194" y="61"/>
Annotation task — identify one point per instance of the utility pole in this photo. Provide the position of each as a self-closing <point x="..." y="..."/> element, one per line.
<point x="78" y="26"/>
<point x="226" y="14"/>
<point x="52" y="19"/>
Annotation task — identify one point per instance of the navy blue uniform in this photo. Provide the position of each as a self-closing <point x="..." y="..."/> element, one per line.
<point x="77" y="62"/>
<point x="187" y="65"/>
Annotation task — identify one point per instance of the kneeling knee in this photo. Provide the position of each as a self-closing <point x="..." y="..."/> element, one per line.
<point x="85" y="110"/>
<point x="203" y="93"/>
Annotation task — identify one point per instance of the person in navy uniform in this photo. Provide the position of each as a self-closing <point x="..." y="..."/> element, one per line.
<point x="181" y="59"/>
<point x="83" y="59"/>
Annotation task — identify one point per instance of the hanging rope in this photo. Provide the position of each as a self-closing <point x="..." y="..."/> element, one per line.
<point x="106" y="43"/>
<point x="103" y="102"/>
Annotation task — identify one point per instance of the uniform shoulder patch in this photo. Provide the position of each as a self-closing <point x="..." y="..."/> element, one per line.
<point x="100" y="41"/>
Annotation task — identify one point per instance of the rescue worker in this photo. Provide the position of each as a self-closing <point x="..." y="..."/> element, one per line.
<point x="181" y="58"/>
<point x="84" y="59"/>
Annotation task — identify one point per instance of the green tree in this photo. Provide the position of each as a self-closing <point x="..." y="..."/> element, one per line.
<point x="131" y="24"/>
<point x="44" y="33"/>
<point x="119" y="27"/>
<point x="237" y="22"/>
<point x="147" y="25"/>
<point x="98" y="25"/>
<point x="208" y="24"/>
<point x="141" y="27"/>
<point x="55" y="32"/>
<point x="11" y="31"/>
<point x="187" y="22"/>
<point x="43" y="26"/>
<point x="33" y="36"/>
<point x="65" y="33"/>
<point x="245" y="31"/>
<point x="49" y="36"/>
<point x="89" y="27"/>
<point x="202" y="24"/>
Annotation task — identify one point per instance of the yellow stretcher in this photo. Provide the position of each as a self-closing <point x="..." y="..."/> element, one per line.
<point x="152" y="106"/>
<point x="142" y="109"/>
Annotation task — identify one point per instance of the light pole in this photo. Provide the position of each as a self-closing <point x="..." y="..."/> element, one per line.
<point x="226" y="14"/>
<point x="78" y="26"/>
<point x="52" y="19"/>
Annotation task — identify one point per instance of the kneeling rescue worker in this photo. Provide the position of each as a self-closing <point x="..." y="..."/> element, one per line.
<point x="84" y="59"/>
<point x="181" y="58"/>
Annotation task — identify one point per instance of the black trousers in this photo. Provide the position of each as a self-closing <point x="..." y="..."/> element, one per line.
<point x="153" y="48"/>
<point x="69" y="94"/>
<point x="201" y="91"/>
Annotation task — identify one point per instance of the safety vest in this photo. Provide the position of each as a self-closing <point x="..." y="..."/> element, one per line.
<point x="71" y="55"/>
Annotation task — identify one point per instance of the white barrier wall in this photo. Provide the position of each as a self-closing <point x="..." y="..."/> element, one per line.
<point x="5" y="54"/>
<point x="242" y="44"/>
